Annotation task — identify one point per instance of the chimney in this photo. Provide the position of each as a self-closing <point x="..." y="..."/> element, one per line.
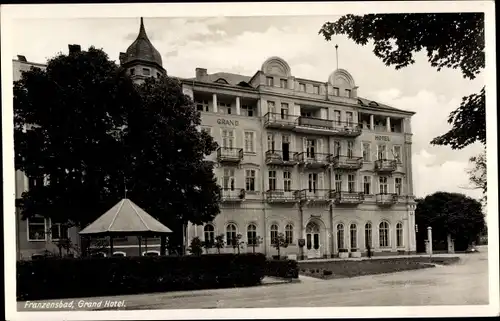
<point x="122" y="58"/>
<point x="74" y="48"/>
<point x="21" y="58"/>
<point x="200" y="73"/>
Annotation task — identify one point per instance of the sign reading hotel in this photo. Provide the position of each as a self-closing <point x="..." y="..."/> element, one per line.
<point x="228" y="122"/>
<point x="383" y="138"/>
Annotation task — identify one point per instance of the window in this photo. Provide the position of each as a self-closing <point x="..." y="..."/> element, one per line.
<point x="252" y="234"/>
<point x="349" y="118"/>
<point x="146" y="71"/>
<point x="337" y="148"/>
<point x="284" y="111"/>
<point x="247" y="110"/>
<point x="302" y="87"/>
<point x="272" y="180"/>
<point x="353" y="236"/>
<point x="270" y="81"/>
<point x="351" y="183"/>
<point x="316" y="90"/>
<point x="381" y="154"/>
<point x="119" y="253"/>
<point x="382" y="184"/>
<point x="227" y="138"/>
<point x="132" y="71"/>
<point x="231" y="234"/>
<point x="338" y="182"/>
<point x="228" y="179"/>
<point x="287" y="181"/>
<point x="250" y="180"/>
<point x="202" y="105"/>
<point x="283" y="83"/>
<point x="306" y="114"/>
<point x="225" y="108"/>
<point x="368" y="235"/>
<point x="397" y="153"/>
<point x="367" y="181"/>
<point x="249" y="142"/>
<point x="383" y="232"/>
<point x="36" y="229"/>
<point x="398" y="185"/>
<point x="399" y="234"/>
<point x="59" y="231"/>
<point x="335" y="91"/>
<point x="340" y="236"/>
<point x="348" y="93"/>
<point x="313" y="182"/>
<point x="350" y="149"/>
<point x="274" y="233"/>
<point x="209" y="233"/>
<point x="289" y="234"/>
<point x="366" y="152"/>
<point x="310" y="148"/>
<point x="337" y="117"/>
<point x="270" y="142"/>
<point x="271" y="107"/>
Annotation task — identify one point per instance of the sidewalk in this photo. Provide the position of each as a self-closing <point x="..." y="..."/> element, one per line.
<point x="385" y="257"/>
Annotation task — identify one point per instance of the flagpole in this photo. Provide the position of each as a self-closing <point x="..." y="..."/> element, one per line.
<point x="337" y="55"/>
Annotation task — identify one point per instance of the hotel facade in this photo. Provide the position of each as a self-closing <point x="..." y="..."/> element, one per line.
<point x="311" y="159"/>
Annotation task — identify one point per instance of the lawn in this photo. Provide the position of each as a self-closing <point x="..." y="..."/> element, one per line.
<point x="346" y="269"/>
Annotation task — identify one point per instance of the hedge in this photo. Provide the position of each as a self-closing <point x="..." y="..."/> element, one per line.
<point x="282" y="268"/>
<point x="87" y="277"/>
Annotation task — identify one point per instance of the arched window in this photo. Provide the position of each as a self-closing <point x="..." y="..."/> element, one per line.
<point x="252" y="234"/>
<point x="274" y="233"/>
<point x="209" y="233"/>
<point x="368" y="235"/>
<point x="383" y="232"/>
<point x="119" y="253"/>
<point x="289" y="234"/>
<point x="399" y="235"/>
<point x="230" y="234"/>
<point x="151" y="253"/>
<point x="340" y="236"/>
<point x="353" y="236"/>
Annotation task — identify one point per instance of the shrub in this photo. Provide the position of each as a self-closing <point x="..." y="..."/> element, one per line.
<point x="282" y="268"/>
<point x="327" y="272"/>
<point x="107" y="276"/>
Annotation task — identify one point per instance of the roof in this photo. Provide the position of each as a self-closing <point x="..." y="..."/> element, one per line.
<point x="125" y="218"/>
<point x="374" y="104"/>
<point x="231" y="79"/>
<point x="142" y="49"/>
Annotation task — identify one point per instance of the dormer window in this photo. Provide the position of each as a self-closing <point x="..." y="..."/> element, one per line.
<point x="283" y="83"/>
<point x="348" y="93"/>
<point x="335" y="91"/>
<point x="270" y="81"/>
<point x="222" y="81"/>
<point x="132" y="71"/>
<point x="146" y="71"/>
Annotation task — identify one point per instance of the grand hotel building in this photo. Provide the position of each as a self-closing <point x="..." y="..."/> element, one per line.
<point x="306" y="158"/>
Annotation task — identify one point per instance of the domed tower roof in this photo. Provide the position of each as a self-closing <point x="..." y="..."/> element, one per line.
<point x="142" y="50"/>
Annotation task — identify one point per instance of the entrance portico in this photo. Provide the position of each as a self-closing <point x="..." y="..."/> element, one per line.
<point x="315" y="236"/>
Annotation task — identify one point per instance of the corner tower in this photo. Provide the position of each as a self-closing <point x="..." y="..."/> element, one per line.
<point x="141" y="59"/>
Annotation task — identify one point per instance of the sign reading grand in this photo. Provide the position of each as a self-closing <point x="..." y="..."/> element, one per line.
<point x="382" y="138"/>
<point x="228" y="122"/>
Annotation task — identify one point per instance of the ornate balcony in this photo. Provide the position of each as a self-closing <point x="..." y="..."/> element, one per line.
<point x="229" y="155"/>
<point x="327" y="127"/>
<point x="346" y="162"/>
<point x="280" y="196"/>
<point x="280" y="121"/>
<point x="313" y="160"/>
<point x="385" y="165"/>
<point x="340" y="197"/>
<point x="386" y="199"/>
<point x="280" y="158"/>
<point x="314" y="195"/>
<point x="233" y="194"/>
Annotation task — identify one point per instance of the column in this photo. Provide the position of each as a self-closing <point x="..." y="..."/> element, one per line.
<point x="388" y="124"/>
<point x="429" y="240"/>
<point x="214" y="102"/>
<point x="372" y="122"/>
<point x="238" y="108"/>
<point x="324" y="113"/>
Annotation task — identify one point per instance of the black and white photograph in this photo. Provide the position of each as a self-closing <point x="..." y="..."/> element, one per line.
<point x="189" y="161"/>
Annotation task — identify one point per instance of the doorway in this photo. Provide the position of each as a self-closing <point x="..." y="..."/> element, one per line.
<point x="285" y="147"/>
<point x="313" y="246"/>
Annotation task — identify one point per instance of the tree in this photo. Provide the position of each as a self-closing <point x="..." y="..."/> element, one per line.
<point x="450" y="213"/>
<point x="477" y="174"/>
<point x="219" y="242"/>
<point x="196" y="246"/>
<point x="255" y="242"/>
<point x="238" y="243"/>
<point x="96" y="136"/>
<point x="279" y="242"/>
<point x="207" y="245"/>
<point x="397" y="37"/>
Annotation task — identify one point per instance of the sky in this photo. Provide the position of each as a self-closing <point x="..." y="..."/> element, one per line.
<point x="241" y="44"/>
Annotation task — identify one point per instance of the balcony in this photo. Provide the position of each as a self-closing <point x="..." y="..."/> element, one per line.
<point x="229" y="155"/>
<point x="280" y="158"/>
<point x="313" y="160"/>
<point x="319" y="126"/>
<point x="233" y="194"/>
<point x="346" y="162"/>
<point x="280" y="196"/>
<point x="385" y="165"/>
<point x="386" y="199"/>
<point x="314" y="195"/>
<point x="340" y="197"/>
<point x="280" y="121"/>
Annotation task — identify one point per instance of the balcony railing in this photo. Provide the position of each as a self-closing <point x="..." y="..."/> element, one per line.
<point x="349" y="197"/>
<point x="385" y="165"/>
<point x="313" y="195"/>
<point x="313" y="160"/>
<point x="229" y="154"/>
<point x="278" y="157"/>
<point x="386" y="198"/>
<point x="233" y="194"/>
<point x="280" y="196"/>
<point x="329" y="127"/>
<point x="277" y="120"/>
<point x="346" y="162"/>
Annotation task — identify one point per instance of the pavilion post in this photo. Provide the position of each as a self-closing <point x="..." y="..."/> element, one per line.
<point x="111" y="245"/>
<point x="146" y="244"/>
<point x="139" y="241"/>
